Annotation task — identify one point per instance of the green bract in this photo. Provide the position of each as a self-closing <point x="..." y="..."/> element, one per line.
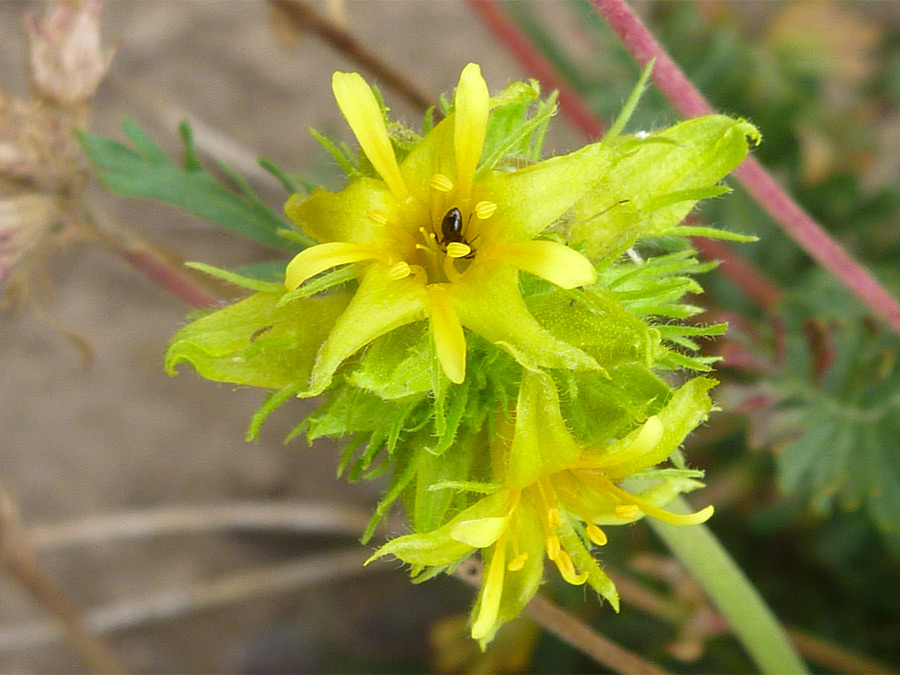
<point x="491" y="329"/>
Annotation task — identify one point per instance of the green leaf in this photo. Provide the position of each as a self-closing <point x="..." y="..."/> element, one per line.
<point x="148" y="173"/>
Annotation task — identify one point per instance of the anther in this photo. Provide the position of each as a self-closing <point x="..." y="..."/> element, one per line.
<point x="441" y="183"/>
<point x="485" y="210"/>
<point x="517" y="563"/>
<point x="377" y="217"/>
<point x="553" y="517"/>
<point x="553" y="547"/>
<point x="596" y="535"/>
<point x="456" y="249"/>
<point x="626" y="511"/>
<point x="399" y="271"/>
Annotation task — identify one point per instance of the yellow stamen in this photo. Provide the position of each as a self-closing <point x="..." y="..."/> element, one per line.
<point x="450" y="270"/>
<point x="626" y="511"/>
<point x="553" y="517"/>
<point x="567" y="569"/>
<point x="553" y="546"/>
<point x="596" y="535"/>
<point x="456" y="249"/>
<point x="517" y="563"/>
<point x="700" y="516"/>
<point x="399" y="271"/>
<point x="484" y="210"/>
<point x="441" y="183"/>
<point x="377" y="217"/>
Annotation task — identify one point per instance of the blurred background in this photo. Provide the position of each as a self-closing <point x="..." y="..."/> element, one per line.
<point x="91" y="425"/>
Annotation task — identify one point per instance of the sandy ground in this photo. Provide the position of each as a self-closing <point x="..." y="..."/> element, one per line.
<point x="122" y="435"/>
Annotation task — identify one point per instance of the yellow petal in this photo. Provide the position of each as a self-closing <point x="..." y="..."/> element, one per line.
<point x="556" y="263"/>
<point x="379" y="305"/>
<point x="642" y="440"/>
<point x="480" y="533"/>
<point x="360" y="108"/>
<point x="492" y="590"/>
<point x="488" y="301"/>
<point x="472" y="105"/>
<point x="315" y="259"/>
<point x="449" y="341"/>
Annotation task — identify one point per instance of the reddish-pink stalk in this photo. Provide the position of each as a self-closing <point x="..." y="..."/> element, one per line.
<point x="174" y="280"/>
<point x="579" y="114"/>
<point x="745" y="275"/>
<point x="751" y="280"/>
<point x="792" y="218"/>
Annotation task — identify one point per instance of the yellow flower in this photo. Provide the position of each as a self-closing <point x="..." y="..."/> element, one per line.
<point x="438" y="239"/>
<point x="550" y="486"/>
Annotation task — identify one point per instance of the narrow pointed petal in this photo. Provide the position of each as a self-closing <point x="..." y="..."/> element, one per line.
<point x="316" y="259"/>
<point x="487" y="300"/>
<point x="556" y="263"/>
<point x="360" y="108"/>
<point x="472" y="105"/>
<point x="491" y="592"/>
<point x="654" y="511"/>
<point x="379" y="305"/>
<point x="449" y="340"/>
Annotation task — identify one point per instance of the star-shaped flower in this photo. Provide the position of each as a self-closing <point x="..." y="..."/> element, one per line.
<point x="441" y="239"/>
<point x="549" y="487"/>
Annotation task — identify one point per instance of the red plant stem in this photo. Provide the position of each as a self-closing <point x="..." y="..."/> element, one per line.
<point x="743" y="274"/>
<point x="751" y="280"/>
<point x="171" y="278"/>
<point x="496" y="19"/>
<point x="152" y="262"/>
<point x="792" y="218"/>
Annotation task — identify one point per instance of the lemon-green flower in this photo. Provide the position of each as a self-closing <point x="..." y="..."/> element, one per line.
<point x="438" y="239"/>
<point x="549" y="487"/>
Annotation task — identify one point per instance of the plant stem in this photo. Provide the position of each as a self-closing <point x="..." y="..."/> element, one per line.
<point x="303" y="16"/>
<point x="731" y="592"/>
<point x="151" y="261"/>
<point x="535" y="63"/>
<point x="744" y="275"/>
<point x="792" y="218"/>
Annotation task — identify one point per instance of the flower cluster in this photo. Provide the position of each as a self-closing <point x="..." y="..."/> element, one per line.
<point x="494" y="329"/>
